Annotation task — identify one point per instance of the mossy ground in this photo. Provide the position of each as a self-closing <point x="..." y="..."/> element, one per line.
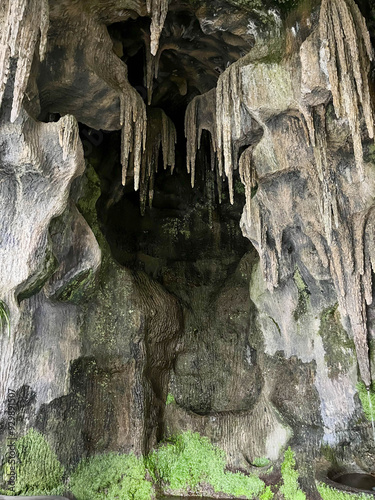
<point x="111" y="476"/>
<point x="38" y="471"/>
<point x="185" y="464"/>
<point x="189" y="462"/>
<point x="290" y="488"/>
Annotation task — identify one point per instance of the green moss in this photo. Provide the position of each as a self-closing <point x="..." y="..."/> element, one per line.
<point x="370" y="156"/>
<point x="328" y="493"/>
<point x="189" y="461"/>
<point x="87" y="204"/>
<point x="339" y="348"/>
<point x="77" y="288"/>
<point x="329" y="453"/>
<point x="290" y="487"/>
<point x="170" y="399"/>
<point x="303" y="295"/>
<point x="267" y="494"/>
<point x="38" y="471"/>
<point x="368" y="403"/>
<point x="276" y="324"/>
<point x="260" y="462"/>
<point x="113" y="476"/>
<point x="4" y="317"/>
<point x="239" y="187"/>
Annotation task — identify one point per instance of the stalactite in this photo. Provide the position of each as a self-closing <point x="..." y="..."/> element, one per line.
<point x="228" y="120"/>
<point x="328" y="201"/>
<point x="133" y="117"/>
<point x="150" y="73"/>
<point x="152" y="69"/>
<point x="219" y="183"/>
<point x="199" y="116"/>
<point x="248" y="177"/>
<point x="26" y="21"/>
<point x="210" y="188"/>
<point x="158" y="10"/>
<point x="161" y="132"/>
<point x="347" y="53"/>
<point x="133" y="136"/>
<point x="68" y="135"/>
<point x="168" y="142"/>
<point x="191" y="134"/>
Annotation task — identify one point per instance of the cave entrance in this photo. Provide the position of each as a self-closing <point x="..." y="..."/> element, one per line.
<point x="184" y="225"/>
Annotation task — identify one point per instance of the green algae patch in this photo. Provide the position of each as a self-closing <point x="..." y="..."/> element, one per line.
<point x="38" y="470"/>
<point x="368" y="403"/>
<point x="111" y="476"/>
<point x="189" y="462"/>
<point x="76" y="289"/>
<point x="4" y="317"/>
<point x="170" y="399"/>
<point x="339" y="348"/>
<point x="303" y="295"/>
<point x="260" y="462"/>
<point x="290" y="487"/>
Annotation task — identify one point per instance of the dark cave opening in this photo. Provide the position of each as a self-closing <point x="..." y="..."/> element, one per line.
<point x="184" y="224"/>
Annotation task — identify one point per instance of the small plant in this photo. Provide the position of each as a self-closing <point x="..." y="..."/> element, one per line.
<point x="328" y="493"/>
<point x="189" y="461"/>
<point x="4" y="316"/>
<point x="170" y="399"/>
<point x="111" y="476"/>
<point x="367" y="400"/>
<point x="267" y="494"/>
<point x="261" y="462"/>
<point x="290" y="487"/>
<point x="38" y="471"/>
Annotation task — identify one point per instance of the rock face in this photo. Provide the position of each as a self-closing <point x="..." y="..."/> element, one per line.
<point x="113" y="302"/>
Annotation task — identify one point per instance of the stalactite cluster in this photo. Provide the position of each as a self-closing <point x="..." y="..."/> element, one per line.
<point x="160" y="133"/>
<point x="348" y="256"/>
<point x="26" y="24"/>
<point x="200" y="115"/>
<point x="347" y="53"/>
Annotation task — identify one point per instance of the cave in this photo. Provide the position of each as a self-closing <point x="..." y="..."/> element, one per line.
<point x="187" y="249"/>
